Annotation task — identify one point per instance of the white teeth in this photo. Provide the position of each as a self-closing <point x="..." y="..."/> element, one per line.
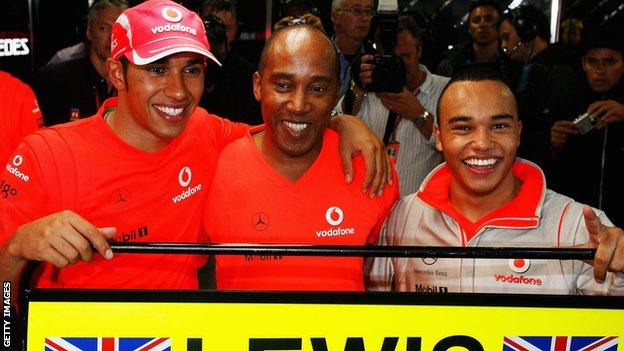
<point x="296" y="127"/>
<point x="480" y="162"/>
<point x="170" y="110"/>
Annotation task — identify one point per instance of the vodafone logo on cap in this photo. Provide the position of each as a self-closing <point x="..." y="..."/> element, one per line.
<point x="334" y="215"/>
<point x="519" y="265"/>
<point x="172" y="14"/>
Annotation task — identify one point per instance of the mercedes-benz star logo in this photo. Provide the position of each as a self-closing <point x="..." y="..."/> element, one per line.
<point x="120" y="197"/>
<point x="260" y="221"/>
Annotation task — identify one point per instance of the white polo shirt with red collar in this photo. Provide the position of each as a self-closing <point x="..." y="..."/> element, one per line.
<point x="536" y="217"/>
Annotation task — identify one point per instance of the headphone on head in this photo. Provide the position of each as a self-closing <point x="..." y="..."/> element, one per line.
<point x="524" y="20"/>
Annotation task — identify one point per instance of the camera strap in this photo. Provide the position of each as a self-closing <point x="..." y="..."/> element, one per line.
<point x="348" y="100"/>
<point x="390" y="126"/>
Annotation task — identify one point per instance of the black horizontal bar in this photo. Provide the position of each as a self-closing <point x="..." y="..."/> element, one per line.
<point x="360" y="251"/>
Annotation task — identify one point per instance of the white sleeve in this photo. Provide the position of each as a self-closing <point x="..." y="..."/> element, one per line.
<point x="585" y="282"/>
<point x="378" y="271"/>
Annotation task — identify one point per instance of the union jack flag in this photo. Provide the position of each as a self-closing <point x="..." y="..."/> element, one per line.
<point x="107" y="344"/>
<point x="560" y="343"/>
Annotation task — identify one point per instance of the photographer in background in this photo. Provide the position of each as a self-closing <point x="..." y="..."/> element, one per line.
<point x="404" y="119"/>
<point x="352" y="21"/>
<point x="298" y="12"/>
<point x="587" y="155"/>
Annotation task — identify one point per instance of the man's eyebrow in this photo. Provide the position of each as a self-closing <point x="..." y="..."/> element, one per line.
<point x="322" y="78"/>
<point x="502" y="116"/>
<point x="281" y="75"/>
<point x="195" y="61"/>
<point x="458" y="119"/>
<point x="498" y="117"/>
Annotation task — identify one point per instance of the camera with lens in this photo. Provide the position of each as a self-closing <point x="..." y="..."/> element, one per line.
<point x="389" y="72"/>
<point x="585" y="123"/>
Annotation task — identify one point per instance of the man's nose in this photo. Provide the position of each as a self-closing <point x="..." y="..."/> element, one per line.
<point x="298" y="102"/>
<point x="482" y="139"/>
<point x="176" y="86"/>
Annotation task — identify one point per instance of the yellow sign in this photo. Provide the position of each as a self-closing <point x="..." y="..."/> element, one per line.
<point x="212" y="326"/>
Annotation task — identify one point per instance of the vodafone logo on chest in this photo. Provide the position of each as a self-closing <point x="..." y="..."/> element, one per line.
<point x="185" y="177"/>
<point x="334" y="216"/>
<point x="518" y="266"/>
<point x="13" y="168"/>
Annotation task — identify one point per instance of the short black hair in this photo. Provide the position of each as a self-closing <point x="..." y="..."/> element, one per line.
<point x="604" y="38"/>
<point x="475" y="73"/>
<point x="491" y="3"/>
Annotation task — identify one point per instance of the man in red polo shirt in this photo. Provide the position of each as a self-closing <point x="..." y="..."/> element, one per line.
<point x="282" y="185"/>
<point x="137" y="171"/>
<point x="483" y="196"/>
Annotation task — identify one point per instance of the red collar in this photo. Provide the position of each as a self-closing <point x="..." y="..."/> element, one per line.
<point x="521" y="212"/>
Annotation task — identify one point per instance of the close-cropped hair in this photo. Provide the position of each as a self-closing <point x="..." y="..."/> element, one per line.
<point x="490" y="3"/>
<point x="603" y="38"/>
<point x="475" y="73"/>
<point x="269" y="43"/>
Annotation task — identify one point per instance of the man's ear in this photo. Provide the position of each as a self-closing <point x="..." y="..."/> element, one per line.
<point x="88" y="33"/>
<point x="116" y="74"/>
<point x="333" y="15"/>
<point x="436" y="130"/>
<point x="256" y="86"/>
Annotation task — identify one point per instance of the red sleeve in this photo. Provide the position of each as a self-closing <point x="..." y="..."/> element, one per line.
<point x="19" y="113"/>
<point x="24" y="196"/>
<point x="29" y="112"/>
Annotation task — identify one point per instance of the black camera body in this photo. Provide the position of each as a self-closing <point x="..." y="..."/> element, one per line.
<point x="389" y="72"/>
